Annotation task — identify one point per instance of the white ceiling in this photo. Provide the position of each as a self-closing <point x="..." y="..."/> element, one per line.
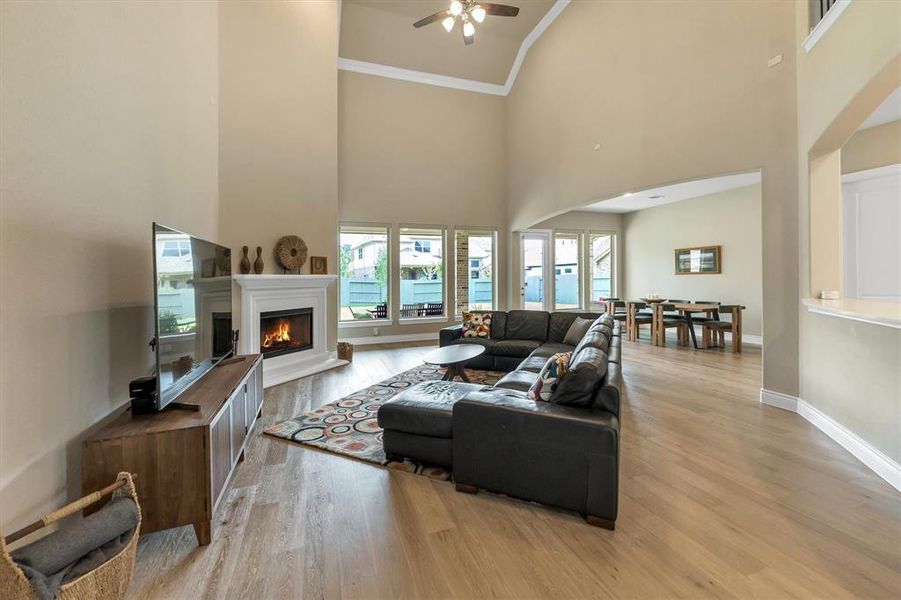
<point x="673" y="193"/>
<point x="888" y="111"/>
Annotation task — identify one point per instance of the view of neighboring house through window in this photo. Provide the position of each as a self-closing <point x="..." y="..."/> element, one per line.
<point x="601" y="247"/>
<point x="363" y="264"/>
<point x="421" y="253"/>
<point x="475" y="270"/>
<point x="567" y="282"/>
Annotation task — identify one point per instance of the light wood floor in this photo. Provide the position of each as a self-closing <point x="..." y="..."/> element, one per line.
<point x="720" y="497"/>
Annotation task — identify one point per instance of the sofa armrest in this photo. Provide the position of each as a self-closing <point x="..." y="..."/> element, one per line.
<point x="558" y="455"/>
<point x="449" y="334"/>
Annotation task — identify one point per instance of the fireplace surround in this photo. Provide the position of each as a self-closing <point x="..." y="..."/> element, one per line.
<point x="304" y="297"/>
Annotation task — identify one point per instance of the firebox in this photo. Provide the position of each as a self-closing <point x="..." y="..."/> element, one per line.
<point x="286" y="331"/>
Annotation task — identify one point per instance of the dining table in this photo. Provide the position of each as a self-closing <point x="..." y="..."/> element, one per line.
<point x="687" y="309"/>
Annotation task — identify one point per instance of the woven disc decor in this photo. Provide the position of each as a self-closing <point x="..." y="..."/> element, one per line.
<point x="291" y="252"/>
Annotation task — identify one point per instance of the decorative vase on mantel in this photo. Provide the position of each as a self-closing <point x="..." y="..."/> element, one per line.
<point x="258" y="263"/>
<point x="245" y="260"/>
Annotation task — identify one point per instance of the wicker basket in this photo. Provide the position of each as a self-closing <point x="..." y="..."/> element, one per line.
<point x="108" y="581"/>
<point x="346" y="351"/>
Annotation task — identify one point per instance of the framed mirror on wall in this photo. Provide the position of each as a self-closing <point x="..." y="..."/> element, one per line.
<point x="700" y="260"/>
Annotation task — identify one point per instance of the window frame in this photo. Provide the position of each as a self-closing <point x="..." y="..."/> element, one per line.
<point x="414" y="228"/>
<point x="389" y="301"/>
<point x="614" y="272"/>
<point x="580" y="258"/>
<point x="477" y="231"/>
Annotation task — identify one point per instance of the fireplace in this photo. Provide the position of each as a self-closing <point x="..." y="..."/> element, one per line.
<point x="222" y="333"/>
<point x="285" y="331"/>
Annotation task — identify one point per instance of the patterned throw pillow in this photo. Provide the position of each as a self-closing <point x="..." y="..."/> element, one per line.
<point x="549" y="377"/>
<point x="476" y="325"/>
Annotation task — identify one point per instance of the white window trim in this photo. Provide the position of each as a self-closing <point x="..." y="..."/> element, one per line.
<point x="444" y="269"/>
<point x="825" y="23"/>
<point x="366" y="322"/>
<point x="492" y="231"/>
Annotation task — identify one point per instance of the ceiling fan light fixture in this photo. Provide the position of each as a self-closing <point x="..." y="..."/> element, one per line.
<point x="456" y="8"/>
<point x="448" y="24"/>
<point x="469" y="29"/>
<point x="478" y="13"/>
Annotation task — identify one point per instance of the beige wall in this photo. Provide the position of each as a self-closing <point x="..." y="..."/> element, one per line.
<point x="108" y="122"/>
<point x="730" y="219"/>
<point x="664" y="108"/>
<point x="848" y="369"/>
<point x="871" y="148"/>
<point x="418" y="154"/>
<point x="278" y="122"/>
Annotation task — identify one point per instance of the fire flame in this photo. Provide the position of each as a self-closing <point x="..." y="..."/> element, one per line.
<point x="282" y="334"/>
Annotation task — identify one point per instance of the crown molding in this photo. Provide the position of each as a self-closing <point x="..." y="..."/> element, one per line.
<point x="469" y="85"/>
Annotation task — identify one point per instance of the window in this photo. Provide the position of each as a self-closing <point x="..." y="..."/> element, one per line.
<point x="363" y="273"/>
<point x="421" y="252"/>
<point x="567" y="255"/>
<point x="601" y="250"/>
<point x="176" y="248"/>
<point x="477" y="291"/>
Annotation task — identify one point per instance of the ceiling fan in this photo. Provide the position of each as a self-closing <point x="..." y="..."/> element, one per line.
<point x="467" y="11"/>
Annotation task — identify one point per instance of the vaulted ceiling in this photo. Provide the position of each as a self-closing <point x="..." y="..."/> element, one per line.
<point x="381" y="32"/>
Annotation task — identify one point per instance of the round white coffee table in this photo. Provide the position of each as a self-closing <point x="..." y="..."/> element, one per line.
<point x="454" y="358"/>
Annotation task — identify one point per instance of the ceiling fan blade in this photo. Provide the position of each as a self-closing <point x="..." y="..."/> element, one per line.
<point x="500" y="10"/>
<point x="432" y="18"/>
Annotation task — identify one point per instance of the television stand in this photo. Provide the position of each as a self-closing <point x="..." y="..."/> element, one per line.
<point x="183" y="458"/>
<point x="183" y="406"/>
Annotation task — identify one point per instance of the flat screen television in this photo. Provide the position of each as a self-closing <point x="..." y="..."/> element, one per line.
<point x="193" y="310"/>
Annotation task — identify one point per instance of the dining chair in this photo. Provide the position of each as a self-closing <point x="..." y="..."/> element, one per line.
<point x="715" y="329"/>
<point x="638" y="317"/>
<point x="667" y="318"/>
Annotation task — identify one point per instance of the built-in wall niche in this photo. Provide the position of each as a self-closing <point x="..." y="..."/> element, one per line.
<point x="871" y="234"/>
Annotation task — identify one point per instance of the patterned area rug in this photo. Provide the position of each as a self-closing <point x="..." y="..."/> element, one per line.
<point x="349" y="426"/>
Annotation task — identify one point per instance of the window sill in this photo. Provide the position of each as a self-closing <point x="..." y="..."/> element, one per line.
<point x="876" y="312"/>
<point x="365" y="323"/>
<point x="418" y="320"/>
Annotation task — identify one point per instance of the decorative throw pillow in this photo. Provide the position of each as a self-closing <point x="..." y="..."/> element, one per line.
<point x="476" y="325"/>
<point x="577" y="331"/>
<point x="549" y="377"/>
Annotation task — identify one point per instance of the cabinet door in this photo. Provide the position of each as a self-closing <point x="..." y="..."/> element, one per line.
<point x="220" y="451"/>
<point x="250" y="400"/>
<point x="258" y="376"/>
<point x="239" y="426"/>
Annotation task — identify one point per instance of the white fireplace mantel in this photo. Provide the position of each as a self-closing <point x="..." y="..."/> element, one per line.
<point x="264" y="293"/>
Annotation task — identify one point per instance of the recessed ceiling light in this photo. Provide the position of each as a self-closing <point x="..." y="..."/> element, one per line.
<point x="655" y="197"/>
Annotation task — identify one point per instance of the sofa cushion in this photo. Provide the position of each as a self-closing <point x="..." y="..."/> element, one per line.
<point x="560" y="322"/>
<point x="527" y="325"/>
<point x="498" y="324"/>
<point x="550" y="348"/>
<point x="577" y="331"/>
<point x="550" y="376"/>
<point x="586" y="372"/>
<point x="424" y="409"/>
<point x="536" y="362"/>
<point x="594" y="339"/>
<point x="517" y="380"/>
<point x="476" y="324"/>
<point x="515" y="348"/>
<point x="487" y="343"/>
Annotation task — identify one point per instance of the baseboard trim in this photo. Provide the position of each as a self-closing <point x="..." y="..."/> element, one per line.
<point x="431" y="336"/>
<point x="779" y="400"/>
<point x="873" y="458"/>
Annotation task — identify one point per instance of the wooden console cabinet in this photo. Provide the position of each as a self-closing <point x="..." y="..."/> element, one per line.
<point x="183" y="459"/>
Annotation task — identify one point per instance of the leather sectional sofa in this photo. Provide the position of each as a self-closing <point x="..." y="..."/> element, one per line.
<point x="563" y="454"/>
